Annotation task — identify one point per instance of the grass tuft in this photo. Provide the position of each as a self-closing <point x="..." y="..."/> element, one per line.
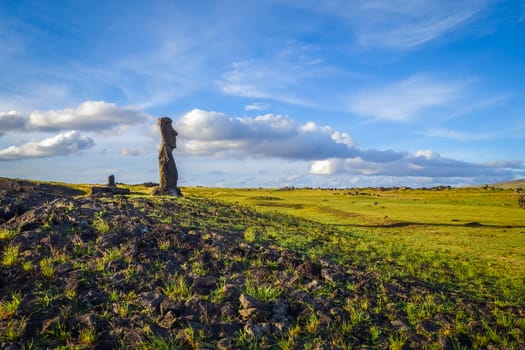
<point x="10" y="256"/>
<point x="177" y="289"/>
<point x="87" y="336"/>
<point x="100" y="224"/>
<point x="159" y="343"/>
<point x="47" y="268"/>
<point x="8" y="234"/>
<point x="14" y="329"/>
<point x="9" y="307"/>
<point x="261" y="292"/>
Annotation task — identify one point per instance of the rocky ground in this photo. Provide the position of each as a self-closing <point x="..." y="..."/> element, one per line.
<point x="81" y="271"/>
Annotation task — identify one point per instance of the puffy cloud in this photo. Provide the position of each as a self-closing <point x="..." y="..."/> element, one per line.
<point x="423" y="163"/>
<point x="331" y="152"/>
<point x="326" y="167"/>
<point x="342" y="137"/>
<point x="427" y="154"/>
<point x="89" y="115"/>
<point x="269" y="135"/>
<point x="11" y="120"/>
<point x="61" y="144"/>
<point x="404" y="100"/>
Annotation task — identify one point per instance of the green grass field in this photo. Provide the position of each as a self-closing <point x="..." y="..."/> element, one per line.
<point x="476" y="235"/>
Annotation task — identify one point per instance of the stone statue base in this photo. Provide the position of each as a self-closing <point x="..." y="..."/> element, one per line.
<point x="175" y="192"/>
<point x="108" y="191"/>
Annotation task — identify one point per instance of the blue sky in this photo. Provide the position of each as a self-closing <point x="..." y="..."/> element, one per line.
<point x="264" y="93"/>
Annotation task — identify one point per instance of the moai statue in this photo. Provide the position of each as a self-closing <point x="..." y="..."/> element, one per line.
<point x="111" y="181"/>
<point x="167" y="168"/>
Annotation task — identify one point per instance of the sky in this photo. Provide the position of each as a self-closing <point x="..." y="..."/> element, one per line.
<point x="270" y="93"/>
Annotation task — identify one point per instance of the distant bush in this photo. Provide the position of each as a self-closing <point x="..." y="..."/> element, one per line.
<point x="521" y="201"/>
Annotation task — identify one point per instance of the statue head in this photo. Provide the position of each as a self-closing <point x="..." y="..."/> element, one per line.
<point x="169" y="135"/>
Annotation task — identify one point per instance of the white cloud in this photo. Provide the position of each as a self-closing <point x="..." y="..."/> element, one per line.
<point x="61" y="144"/>
<point x="326" y="167"/>
<point x="415" y="32"/>
<point x="342" y="137"/>
<point x="286" y="79"/>
<point x="269" y="135"/>
<point x="256" y="106"/>
<point x="422" y="163"/>
<point x="204" y="125"/>
<point x="400" y="24"/>
<point x="405" y="100"/>
<point x="89" y="115"/>
<point x="427" y="154"/>
<point x="258" y="80"/>
<point x="205" y="133"/>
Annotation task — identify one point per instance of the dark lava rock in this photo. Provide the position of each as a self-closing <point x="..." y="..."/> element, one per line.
<point x="204" y="285"/>
<point x="309" y="270"/>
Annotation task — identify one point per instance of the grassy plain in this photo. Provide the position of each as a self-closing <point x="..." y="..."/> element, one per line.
<point x="468" y="237"/>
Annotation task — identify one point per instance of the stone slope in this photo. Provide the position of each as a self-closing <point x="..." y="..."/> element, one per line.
<point x="146" y="279"/>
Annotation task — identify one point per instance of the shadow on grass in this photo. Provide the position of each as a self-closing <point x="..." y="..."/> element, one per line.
<point x="410" y="223"/>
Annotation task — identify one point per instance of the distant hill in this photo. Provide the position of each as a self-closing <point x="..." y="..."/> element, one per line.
<point x="510" y="184"/>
